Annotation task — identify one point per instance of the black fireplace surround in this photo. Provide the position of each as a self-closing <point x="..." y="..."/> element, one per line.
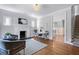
<point x="22" y="34"/>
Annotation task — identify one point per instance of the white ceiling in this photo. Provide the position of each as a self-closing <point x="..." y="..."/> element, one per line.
<point x="28" y="8"/>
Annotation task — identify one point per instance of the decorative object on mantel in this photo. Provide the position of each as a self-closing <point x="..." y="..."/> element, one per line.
<point x="22" y="21"/>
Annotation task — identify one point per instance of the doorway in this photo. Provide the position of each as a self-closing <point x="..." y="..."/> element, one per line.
<point x="58" y="27"/>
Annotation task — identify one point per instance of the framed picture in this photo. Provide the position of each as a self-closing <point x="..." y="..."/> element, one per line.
<point x="22" y="21"/>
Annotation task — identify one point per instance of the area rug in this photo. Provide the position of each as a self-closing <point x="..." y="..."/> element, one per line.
<point x="33" y="46"/>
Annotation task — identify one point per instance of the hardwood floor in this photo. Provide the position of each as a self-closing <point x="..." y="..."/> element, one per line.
<point x="57" y="47"/>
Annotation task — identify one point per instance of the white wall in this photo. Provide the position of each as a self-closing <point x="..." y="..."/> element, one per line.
<point x="68" y="26"/>
<point x="76" y="9"/>
<point x="14" y="28"/>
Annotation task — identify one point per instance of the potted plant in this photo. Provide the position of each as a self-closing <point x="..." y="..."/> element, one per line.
<point x="7" y="35"/>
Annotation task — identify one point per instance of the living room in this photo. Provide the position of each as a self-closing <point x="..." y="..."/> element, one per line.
<point x="36" y="29"/>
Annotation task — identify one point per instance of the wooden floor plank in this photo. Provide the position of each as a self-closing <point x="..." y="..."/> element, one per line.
<point x="57" y="47"/>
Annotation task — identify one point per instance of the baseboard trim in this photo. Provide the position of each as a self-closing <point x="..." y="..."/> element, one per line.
<point x="69" y="43"/>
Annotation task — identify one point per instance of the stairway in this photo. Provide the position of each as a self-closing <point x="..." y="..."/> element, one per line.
<point x="76" y="27"/>
<point x="75" y="36"/>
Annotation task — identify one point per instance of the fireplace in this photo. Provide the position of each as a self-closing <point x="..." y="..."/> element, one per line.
<point x="22" y="34"/>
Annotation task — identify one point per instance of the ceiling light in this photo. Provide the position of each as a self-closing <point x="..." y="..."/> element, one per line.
<point x="36" y="7"/>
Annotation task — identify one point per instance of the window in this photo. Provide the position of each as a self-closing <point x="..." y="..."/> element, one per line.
<point x="38" y="23"/>
<point x="7" y="21"/>
<point x="33" y="24"/>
